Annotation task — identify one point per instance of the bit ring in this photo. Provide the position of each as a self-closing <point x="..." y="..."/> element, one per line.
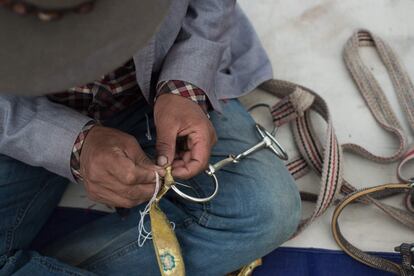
<point x="198" y="199"/>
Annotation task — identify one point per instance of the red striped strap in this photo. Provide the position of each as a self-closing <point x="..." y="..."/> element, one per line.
<point x="325" y="161"/>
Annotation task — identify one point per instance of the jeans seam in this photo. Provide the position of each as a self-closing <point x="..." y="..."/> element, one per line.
<point x="54" y="268"/>
<point x="19" y="218"/>
<point x="116" y="254"/>
<point x="204" y="217"/>
<point x="3" y="259"/>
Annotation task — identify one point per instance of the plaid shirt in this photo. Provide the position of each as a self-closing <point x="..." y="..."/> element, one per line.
<point x="111" y="94"/>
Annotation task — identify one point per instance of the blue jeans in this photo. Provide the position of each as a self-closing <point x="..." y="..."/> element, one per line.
<point x="257" y="209"/>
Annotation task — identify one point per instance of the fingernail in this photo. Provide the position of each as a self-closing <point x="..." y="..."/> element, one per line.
<point x="162" y="160"/>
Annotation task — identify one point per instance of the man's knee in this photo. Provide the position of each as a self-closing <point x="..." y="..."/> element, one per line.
<point x="274" y="215"/>
<point x="257" y="220"/>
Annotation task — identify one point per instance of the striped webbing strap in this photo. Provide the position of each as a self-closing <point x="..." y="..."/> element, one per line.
<point x="295" y="107"/>
<point x="322" y="153"/>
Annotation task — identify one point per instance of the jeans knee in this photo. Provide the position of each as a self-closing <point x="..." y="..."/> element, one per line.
<point x="283" y="217"/>
<point x="275" y="217"/>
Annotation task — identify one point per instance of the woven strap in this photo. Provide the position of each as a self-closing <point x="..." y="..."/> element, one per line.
<point x="354" y="252"/>
<point x="296" y="106"/>
<point x="375" y="98"/>
<point x="373" y="94"/>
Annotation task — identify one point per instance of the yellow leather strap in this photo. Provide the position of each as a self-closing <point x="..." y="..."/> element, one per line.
<point x="354" y="252"/>
<point x="167" y="248"/>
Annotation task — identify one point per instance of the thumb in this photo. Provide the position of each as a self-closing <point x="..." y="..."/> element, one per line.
<point x="165" y="145"/>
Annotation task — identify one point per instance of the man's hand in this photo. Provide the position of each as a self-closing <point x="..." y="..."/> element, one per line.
<point x="176" y="116"/>
<point x="115" y="169"/>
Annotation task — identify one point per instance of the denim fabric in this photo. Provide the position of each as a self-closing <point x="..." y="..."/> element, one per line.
<point x="257" y="209"/>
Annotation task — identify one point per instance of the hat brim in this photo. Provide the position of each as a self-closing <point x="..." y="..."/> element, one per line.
<point x="38" y="58"/>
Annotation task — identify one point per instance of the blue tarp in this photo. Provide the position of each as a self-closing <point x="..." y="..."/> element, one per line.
<point x="317" y="262"/>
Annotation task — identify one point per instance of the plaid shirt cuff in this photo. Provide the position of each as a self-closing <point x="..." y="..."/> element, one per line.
<point x="184" y="89"/>
<point x="76" y="151"/>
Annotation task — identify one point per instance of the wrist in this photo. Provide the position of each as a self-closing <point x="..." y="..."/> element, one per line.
<point x="77" y="150"/>
<point x="186" y="90"/>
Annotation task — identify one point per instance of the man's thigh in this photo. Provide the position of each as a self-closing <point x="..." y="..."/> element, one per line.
<point x="28" y="195"/>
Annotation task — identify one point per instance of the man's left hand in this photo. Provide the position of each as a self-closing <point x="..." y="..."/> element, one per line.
<point x="176" y="116"/>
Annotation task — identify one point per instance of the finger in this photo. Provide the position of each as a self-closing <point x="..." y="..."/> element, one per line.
<point x="128" y="191"/>
<point x="165" y="144"/>
<point x="133" y="151"/>
<point x="177" y="164"/>
<point x="195" y="160"/>
<point x="135" y="192"/>
<point x="128" y="173"/>
<point x="137" y="176"/>
<point x="109" y="198"/>
<point x="139" y="192"/>
<point x="188" y="171"/>
<point x="113" y="199"/>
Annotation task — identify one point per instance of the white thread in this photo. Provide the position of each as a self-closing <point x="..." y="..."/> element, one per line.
<point x="143" y="233"/>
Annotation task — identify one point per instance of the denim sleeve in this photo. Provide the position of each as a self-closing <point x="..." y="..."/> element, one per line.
<point x="38" y="132"/>
<point x="198" y="50"/>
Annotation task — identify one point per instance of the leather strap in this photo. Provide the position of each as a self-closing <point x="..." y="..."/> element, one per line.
<point x="166" y="246"/>
<point x="359" y="255"/>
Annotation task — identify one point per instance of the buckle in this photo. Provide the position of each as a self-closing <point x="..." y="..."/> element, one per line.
<point x="406" y="251"/>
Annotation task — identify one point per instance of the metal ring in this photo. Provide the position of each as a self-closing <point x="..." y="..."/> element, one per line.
<point x="279" y="151"/>
<point x="198" y="199"/>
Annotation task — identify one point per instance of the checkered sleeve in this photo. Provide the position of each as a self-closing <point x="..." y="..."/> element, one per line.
<point x="77" y="149"/>
<point x="184" y="89"/>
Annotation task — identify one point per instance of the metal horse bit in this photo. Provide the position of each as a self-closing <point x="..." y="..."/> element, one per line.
<point x="268" y="141"/>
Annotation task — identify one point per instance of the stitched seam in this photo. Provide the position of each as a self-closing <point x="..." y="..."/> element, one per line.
<point x="116" y="254"/>
<point x="19" y="218"/>
<point x="54" y="268"/>
<point x="3" y="260"/>
<point x="204" y="217"/>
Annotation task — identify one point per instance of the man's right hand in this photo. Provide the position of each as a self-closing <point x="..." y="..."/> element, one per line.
<point x="115" y="170"/>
